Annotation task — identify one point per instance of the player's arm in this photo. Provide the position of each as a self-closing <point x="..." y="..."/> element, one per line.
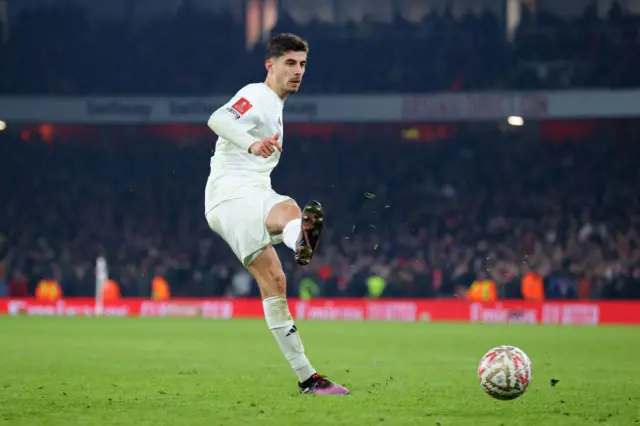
<point x="233" y="122"/>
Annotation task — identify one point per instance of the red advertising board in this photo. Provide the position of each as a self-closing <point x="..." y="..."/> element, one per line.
<point x="409" y="310"/>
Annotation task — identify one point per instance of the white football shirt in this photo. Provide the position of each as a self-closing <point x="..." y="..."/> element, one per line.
<point x="254" y="113"/>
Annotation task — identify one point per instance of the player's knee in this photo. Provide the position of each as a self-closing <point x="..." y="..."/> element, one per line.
<point x="294" y="210"/>
<point x="281" y="214"/>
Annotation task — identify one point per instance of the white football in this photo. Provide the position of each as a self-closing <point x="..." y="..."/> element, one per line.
<point x="504" y="372"/>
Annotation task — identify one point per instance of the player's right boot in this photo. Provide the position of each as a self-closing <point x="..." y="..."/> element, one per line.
<point x="311" y="229"/>
<point x="320" y="385"/>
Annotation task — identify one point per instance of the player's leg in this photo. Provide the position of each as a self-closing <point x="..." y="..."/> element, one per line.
<point x="267" y="271"/>
<point x="300" y="230"/>
<point x="241" y="223"/>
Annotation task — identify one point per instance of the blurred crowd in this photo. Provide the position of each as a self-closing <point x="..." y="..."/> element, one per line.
<point x="426" y="219"/>
<point x="420" y="220"/>
<point x="199" y="52"/>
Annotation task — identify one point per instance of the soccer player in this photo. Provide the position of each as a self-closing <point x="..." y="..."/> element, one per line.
<point x="248" y="214"/>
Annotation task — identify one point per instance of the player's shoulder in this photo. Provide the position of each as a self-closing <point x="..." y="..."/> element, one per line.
<point x="256" y="90"/>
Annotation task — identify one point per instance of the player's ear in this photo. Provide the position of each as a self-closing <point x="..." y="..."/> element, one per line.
<point x="268" y="64"/>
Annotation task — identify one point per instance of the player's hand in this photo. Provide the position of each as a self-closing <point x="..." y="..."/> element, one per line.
<point x="266" y="146"/>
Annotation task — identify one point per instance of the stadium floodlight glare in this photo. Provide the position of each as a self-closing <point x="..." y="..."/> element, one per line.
<point x="514" y="120"/>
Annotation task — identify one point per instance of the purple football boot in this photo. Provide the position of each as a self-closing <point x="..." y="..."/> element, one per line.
<point x="320" y="385"/>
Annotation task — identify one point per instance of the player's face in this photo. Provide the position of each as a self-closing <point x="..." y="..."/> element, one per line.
<point x="289" y="69"/>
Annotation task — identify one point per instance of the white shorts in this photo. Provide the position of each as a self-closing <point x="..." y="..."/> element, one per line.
<point x="241" y="221"/>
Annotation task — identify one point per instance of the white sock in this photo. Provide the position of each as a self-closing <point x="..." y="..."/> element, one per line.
<point x="291" y="232"/>
<point x="280" y="322"/>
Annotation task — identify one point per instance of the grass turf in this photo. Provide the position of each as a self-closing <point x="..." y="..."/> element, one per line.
<point x="154" y="371"/>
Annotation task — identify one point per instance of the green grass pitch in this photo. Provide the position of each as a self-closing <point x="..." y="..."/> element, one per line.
<point x="155" y="371"/>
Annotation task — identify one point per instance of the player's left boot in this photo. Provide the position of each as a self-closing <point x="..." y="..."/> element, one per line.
<point x="320" y="385"/>
<point x="312" y="224"/>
